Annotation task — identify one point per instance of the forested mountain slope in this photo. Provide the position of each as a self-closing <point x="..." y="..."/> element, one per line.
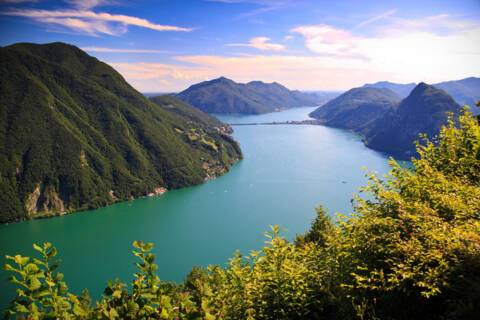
<point x="75" y="135"/>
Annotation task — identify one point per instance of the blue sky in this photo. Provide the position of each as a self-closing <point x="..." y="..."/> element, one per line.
<point x="311" y="45"/>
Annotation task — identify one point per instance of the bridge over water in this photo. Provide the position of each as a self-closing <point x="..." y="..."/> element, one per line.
<point x="302" y="122"/>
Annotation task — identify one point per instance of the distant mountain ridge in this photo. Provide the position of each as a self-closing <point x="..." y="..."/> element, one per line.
<point x="402" y="90"/>
<point x="464" y="92"/>
<point x="386" y="122"/>
<point x="75" y="135"/>
<point x="223" y="95"/>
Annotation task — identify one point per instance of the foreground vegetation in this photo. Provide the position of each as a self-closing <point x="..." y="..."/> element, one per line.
<point x="410" y="250"/>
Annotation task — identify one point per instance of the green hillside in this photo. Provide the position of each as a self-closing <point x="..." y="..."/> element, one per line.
<point x="75" y="135"/>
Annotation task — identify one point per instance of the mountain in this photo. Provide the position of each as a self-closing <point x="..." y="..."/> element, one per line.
<point x="223" y="95"/>
<point x="75" y="135"/>
<point x="357" y="108"/>
<point x="402" y="90"/>
<point x="464" y="92"/>
<point x="423" y="111"/>
<point x="388" y="123"/>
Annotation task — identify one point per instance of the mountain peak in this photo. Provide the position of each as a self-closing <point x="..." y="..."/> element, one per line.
<point x="62" y="54"/>
<point x="424" y="91"/>
<point x="221" y="79"/>
<point x="256" y="82"/>
<point x="223" y="95"/>
<point x="421" y="87"/>
<point x="48" y="48"/>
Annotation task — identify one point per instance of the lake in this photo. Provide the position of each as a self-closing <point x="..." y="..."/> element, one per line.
<point x="287" y="171"/>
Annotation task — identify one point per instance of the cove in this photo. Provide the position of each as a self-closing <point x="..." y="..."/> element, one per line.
<point x="287" y="171"/>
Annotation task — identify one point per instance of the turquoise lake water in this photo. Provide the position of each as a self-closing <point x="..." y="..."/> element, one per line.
<point x="287" y="171"/>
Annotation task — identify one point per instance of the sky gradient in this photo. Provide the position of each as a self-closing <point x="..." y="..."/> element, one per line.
<point x="161" y="46"/>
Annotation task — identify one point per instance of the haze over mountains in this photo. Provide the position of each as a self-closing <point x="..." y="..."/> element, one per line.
<point x="464" y="91"/>
<point x="388" y="123"/>
<point x="402" y="90"/>
<point x="74" y="135"/>
<point x="223" y="95"/>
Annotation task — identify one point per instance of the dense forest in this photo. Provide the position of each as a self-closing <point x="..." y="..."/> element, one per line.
<point x="410" y="250"/>
<point x="74" y="135"/>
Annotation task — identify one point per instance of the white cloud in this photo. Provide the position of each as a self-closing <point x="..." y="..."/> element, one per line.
<point x="82" y="26"/>
<point x="260" y="43"/>
<point x="430" y="49"/>
<point x="88" y="4"/>
<point x="327" y="40"/>
<point x="89" y="22"/>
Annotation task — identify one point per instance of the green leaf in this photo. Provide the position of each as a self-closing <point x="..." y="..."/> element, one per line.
<point x="37" y="248"/>
<point x="21" y="260"/>
<point x="117" y="294"/>
<point x="8" y="267"/>
<point x="21" y="308"/>
<point x="31" y="268"/>
<point x="137" y="244"/>
<point x="34" y="284"/>
<point x="113" y="314"/>
<point x="50" y="283"/>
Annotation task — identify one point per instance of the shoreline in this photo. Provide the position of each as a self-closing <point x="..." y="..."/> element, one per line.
<point x="158" y="191"/>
